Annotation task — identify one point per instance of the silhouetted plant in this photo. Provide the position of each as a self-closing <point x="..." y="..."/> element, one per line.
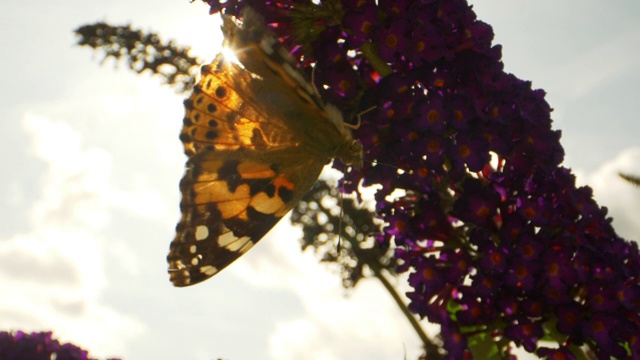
<point x="142" y="51"/>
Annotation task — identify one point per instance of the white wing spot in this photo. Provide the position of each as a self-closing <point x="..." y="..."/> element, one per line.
<point x="241" y="244"/>
<point x="185" y="274"/>
<point x="248" y="244"/>
<point x="193" y="249"/>
<point x="195" y="261"/>
<point x="233" y="243"/>
<point x="208" y="270"/>
<point x="227" y="238"/>
<point x="202" y="232"/>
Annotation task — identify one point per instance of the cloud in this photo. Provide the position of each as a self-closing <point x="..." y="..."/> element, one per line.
<point x="52" y="274"/>
<point x="335" y="324"/>
<point x="620" y="197"/>
<point x="297" y="338"/>
<point x="27" y="260"/>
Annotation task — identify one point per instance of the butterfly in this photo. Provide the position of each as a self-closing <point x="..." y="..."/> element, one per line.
<point x="257" y="135"/>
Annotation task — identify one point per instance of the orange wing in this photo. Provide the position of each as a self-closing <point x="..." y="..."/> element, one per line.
<point x="244" y="174"/>
<point x="257" y="137"/>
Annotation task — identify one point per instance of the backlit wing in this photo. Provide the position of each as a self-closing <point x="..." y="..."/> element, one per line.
<point x="257" y="136"/>
<point x="245" y="172"/>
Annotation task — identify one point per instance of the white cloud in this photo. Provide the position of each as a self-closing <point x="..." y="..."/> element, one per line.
<point x="77" y="186"/>
<point x="299" y="338"/>
<point x="620" y="197"/>
<point x="334" y="325"/>
<point x="52" y="275"/>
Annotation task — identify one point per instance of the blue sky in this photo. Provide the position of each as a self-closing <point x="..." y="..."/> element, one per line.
<point x="91" y="162"/>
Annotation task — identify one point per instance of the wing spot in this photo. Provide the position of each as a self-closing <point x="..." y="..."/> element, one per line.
<point x="229" y="171"/>
<point x="285" y="194"/>
<point x="195" y="261"/>
<point x="193" y="249"/>
<point x="208" y="270"/>
<point x="185" y="138"/>
<point x="270" y="190"/>
<point x="207" y="83"/>
<point x="227" y="238"/>
<point x="202" y="232"/>
<point x="233" y="243"/>
<point x="212" y="108"/>
<point x="221" y="92"/>
<point x="211" y="134"/>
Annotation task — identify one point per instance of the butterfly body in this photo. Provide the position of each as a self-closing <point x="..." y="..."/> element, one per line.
<point x="257" y="135"/>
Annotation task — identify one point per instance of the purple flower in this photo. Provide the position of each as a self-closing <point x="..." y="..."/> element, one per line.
<point x="525" y="332"/>
<point x="37" y="346"/>
<point x="494" y="232"/>
<point x="561" y="353"/>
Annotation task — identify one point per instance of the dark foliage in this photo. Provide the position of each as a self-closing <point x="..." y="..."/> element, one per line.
<point x="324" y="220"/>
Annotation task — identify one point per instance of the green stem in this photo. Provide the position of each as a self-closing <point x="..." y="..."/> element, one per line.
<point x="580" y="353"/>
<point x="369" y="53"/>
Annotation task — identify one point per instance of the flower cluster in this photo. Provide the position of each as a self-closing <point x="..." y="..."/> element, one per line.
<point x="499" y="240"/>
<point x="37" y="346"/>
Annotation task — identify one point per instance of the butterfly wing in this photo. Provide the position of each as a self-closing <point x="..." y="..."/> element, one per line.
<point x="257" y="137"/>
<point x="227" y="206"/>
<point x="245" y="172"/>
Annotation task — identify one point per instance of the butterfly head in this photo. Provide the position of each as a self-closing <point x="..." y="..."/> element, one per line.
<point x="351" y="153"/>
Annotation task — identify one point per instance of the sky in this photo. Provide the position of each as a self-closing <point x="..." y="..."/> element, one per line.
<point x="91" y="163"/>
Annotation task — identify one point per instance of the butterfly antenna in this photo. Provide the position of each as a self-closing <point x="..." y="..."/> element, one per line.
<point x="313" y="80"/>
<point x="339" y="245"/>
<point x="359" y="117"/>
<point x="376" y="162"/>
